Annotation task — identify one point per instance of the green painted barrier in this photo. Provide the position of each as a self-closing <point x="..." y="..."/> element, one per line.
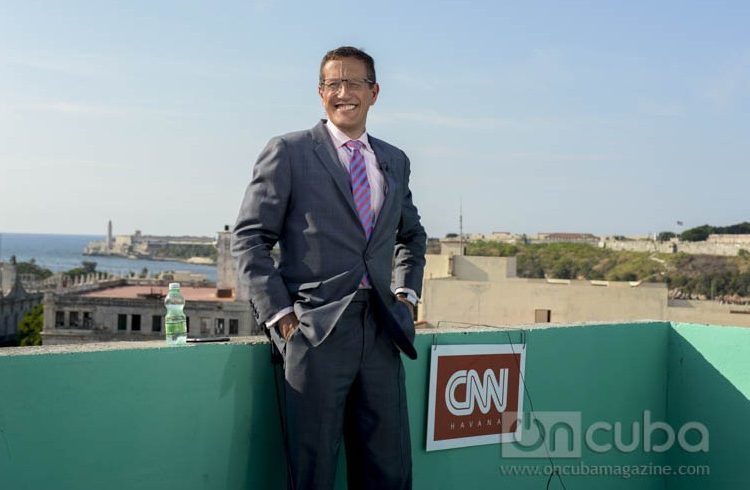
<point x="709" y="382"/>
<point x="205" y="417"/>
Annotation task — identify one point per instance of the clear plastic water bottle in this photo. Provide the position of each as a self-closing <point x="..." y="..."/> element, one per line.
<point x="175" y="323"/>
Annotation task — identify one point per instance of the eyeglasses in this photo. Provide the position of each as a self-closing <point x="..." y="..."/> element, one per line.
<point x="335" y="84"/>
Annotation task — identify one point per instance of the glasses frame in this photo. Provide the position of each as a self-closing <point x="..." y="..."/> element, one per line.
<point x="341" y="81"/>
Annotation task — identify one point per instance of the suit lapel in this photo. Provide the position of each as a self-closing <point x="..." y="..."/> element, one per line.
<point x="391" y="189"/>
<point x="327" y="155"/>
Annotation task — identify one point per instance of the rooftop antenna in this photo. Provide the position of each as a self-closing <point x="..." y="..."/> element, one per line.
<point x="461" y="226"/>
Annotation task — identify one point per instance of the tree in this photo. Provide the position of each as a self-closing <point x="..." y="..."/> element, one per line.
<point x="665" y="236"/>
<point x="697" y="234"/>
<point x="491" y="249"/>
<point x="738" y="229"/>
<point x="87" y="267"/>
<point x="32" y="269"/>
<point x="30" y="328"/>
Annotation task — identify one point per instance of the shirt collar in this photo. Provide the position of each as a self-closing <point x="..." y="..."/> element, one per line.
<point x="340" y="139"/>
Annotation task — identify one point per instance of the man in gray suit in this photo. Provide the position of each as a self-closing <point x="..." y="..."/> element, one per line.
<point x="337" y="201"/>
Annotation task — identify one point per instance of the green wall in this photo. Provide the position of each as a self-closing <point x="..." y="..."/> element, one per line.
<point x="204" y="417"/>
<point x="197" y="417"/>
<point x="709" y="382"/>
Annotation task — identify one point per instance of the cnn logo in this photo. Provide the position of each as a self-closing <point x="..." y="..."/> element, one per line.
<point x="478" y="392"/>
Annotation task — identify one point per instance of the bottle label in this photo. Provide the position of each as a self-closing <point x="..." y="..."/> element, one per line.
<point x="175" y="327"/>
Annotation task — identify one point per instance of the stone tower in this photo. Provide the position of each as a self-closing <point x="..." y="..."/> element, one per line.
<point x="109" y="235"/>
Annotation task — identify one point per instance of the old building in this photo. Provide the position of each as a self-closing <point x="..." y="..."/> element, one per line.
<point x="487" y="291"/>
<point x="15" y="302"/>
<point x="135" y="312"/>
<point x="131" y="309"/>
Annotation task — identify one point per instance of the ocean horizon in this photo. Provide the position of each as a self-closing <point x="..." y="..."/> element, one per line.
<point x="60" y="252"/>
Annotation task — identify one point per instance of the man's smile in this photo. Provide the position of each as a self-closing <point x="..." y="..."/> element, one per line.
<point x="346" y="107"/>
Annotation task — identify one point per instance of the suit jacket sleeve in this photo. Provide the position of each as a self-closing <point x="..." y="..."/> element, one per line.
<point x="411" y="242"/>
<point x="259" y="225"/>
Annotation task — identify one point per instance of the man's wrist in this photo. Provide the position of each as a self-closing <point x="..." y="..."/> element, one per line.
<point x="279" y="315"/>
<point x="408" y="294"/>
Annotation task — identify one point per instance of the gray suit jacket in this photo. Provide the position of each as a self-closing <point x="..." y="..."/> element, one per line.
<point x="300" y="196"/>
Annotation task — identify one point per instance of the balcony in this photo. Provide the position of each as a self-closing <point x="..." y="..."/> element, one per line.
<point x="144" y="416"/>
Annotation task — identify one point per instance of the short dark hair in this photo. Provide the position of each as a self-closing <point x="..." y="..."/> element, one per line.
<point x="349" y="52"/>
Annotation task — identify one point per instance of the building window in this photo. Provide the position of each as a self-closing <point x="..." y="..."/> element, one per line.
<point x="156" y="323"/>
<point x="135" y="322"/>
<point x="59" y="319"/>
<point x="187" y="323"/>
<point x="234" y="326"/>
<point x="542" y="316"/>
<point x="205" y="326"/>
<point x="219" y="326"/>
<point x="122" y="322"/>
<point x="88" y="322"/>
<point x="73" y="319"/>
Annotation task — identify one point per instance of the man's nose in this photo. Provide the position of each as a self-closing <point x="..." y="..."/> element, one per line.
<point x="343" y="88"/>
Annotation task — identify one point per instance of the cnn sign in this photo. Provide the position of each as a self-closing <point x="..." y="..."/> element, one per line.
<point x="476" y="395"/>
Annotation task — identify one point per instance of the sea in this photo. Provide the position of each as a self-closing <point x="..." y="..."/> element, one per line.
<point x="64" y="252"/>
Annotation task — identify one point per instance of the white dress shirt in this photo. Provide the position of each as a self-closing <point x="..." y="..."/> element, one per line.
<point x="374" y="174"/>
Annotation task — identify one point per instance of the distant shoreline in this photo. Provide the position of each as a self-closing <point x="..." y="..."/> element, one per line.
<point x="191" y="260"/>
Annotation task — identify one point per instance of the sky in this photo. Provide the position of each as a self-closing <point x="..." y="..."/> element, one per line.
<point x="605" y="117"/>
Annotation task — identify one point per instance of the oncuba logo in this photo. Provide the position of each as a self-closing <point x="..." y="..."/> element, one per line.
<point x="472" y="389"/>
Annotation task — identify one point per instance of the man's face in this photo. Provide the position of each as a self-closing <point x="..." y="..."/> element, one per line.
<point x="347" y="108"/>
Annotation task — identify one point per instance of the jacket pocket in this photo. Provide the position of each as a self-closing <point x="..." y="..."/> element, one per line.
<point x="308" y="285"/>
<point x="293" y="288"/>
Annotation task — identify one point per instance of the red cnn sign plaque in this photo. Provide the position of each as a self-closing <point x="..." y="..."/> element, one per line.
<point x="476" y="395"/>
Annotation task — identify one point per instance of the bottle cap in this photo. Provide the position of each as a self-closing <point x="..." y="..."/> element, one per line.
<point x="174" y="285"/>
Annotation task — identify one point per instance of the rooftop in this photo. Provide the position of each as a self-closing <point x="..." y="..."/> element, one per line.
<point x="137" y="292"/>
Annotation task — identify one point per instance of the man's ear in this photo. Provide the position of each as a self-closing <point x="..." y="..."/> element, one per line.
<point x="375" y="92"/>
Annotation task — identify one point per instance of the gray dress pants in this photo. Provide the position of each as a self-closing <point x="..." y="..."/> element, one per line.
<point x="351" y="384"/>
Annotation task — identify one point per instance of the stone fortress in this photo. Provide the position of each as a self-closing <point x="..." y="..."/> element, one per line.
<point x="727" y="245"/>
<point x="143" y="246"/>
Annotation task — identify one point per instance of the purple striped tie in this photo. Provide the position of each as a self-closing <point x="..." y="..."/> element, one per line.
<point x="361" y="192"/>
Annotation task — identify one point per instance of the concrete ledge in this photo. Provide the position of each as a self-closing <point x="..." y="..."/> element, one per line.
<point x="447" y="327"/>
<point x="117" y="345"/>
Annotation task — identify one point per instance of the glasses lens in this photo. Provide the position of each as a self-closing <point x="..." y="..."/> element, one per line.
<point x="353" y="84"/>
<point x="332" y="85"/>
